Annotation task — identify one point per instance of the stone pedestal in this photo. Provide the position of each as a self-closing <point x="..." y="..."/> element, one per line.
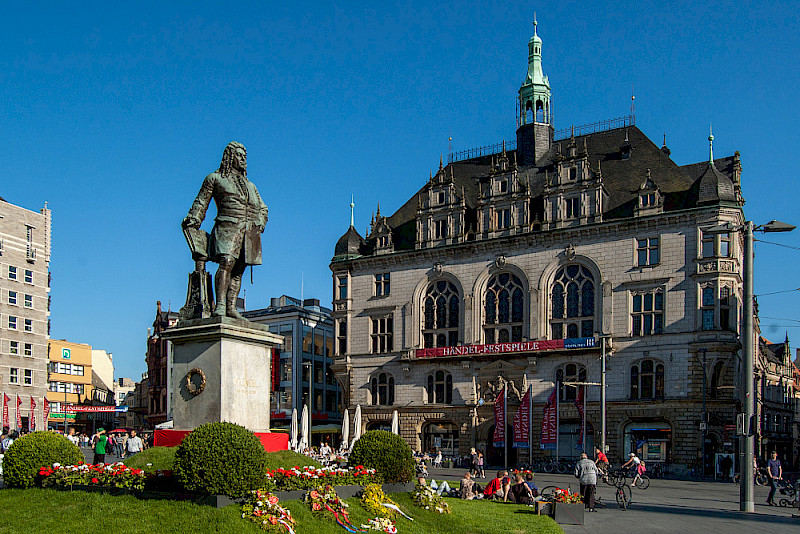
<point x="232" y="357"/>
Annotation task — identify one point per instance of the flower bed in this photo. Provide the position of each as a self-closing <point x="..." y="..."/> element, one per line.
<point x="116" y="475"/>
<point x="263" y="509"/>
<point x="307" y="477"/>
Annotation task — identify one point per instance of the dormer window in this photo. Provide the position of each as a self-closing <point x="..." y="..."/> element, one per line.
<point x="440" y="229"/>
<point x="441" y="197"/>
<point x="504" y="186"/>
<point x="383" y="241"/>
<point x="648" y="200"/>
<point x="573" y="173"/>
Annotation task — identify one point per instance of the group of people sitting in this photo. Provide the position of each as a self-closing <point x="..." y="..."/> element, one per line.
<point x="521" y="491"/>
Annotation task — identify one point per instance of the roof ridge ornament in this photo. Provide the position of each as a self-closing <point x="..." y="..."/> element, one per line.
<point x="352" y="217"/>
<point x="710" y="146"/>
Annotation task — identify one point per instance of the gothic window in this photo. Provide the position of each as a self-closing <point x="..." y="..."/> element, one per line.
<point x="382" y="335"/>
<point x="647" y="380"/>
<point x="572" y="303"/>
<point x="571" y="372"/>
<point x="440" y="388"/>
<point x="440" y="309"/>
<point x="503" y="309"/>
<point x="382" y="389"/>
<point x="647" y="313"/>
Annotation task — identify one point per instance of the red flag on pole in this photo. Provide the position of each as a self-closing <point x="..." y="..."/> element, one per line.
<point x="549" y="424"/>
<point x="32" y="422"/>
<point x="6" y="400"/>
<point x="19" y="413"/>
<point x="579" y="406"/>
<point x="46" y="406"/>
<point x="499" y="439"/>
<point x="522" y="422"/>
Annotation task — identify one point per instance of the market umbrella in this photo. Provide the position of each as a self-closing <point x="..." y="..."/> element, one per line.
<point x="293" y="431"/>
<point x="395" y="423"/>
<point x="356" y="426"/>
<point x="304" y="429"/>
<point x="346" y="427"/>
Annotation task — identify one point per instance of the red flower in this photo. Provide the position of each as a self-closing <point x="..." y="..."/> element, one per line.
<point x="273" y="520"/>
<point x="95" y="481"/>
<point x="273" y="499"/>
<point x="316" y="506"/>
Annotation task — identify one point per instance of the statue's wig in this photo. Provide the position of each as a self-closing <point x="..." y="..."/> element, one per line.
<point x="226" y="167"/>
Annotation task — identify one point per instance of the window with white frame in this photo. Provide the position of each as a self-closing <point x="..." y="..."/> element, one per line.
<point x="13" y="375"/>
<point x="13" y="347"/>
<point x="503" y="307"/>
<point x="27" y="377"/>
<point x="28" y="301"/>
<point x="573" y="210"/>
<point x="28" y="349"/>
<point x="12" y="322"/>
<point x="647" y="312"/>
<point x="66" y="387"/>
<point x="29" y="325"/>
<point x="647" y="252"/>
<point x="12" y="298"/>
<point x="28" y="276"/>
<point x="382" y="284"/>
<point x="502" y="218"/>
<point x="715" y="245"/>
<point x="12" y="272"/>
<point x="381" y="334"/>
<point x="707" y="304"/>
<point x="572" y="303"/>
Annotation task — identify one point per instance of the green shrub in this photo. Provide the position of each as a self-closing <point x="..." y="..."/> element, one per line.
<point x="39" y="449"/>
<point x="221" y="459"/>
<point x="159" y="458"/>
<point x="388" y="453"/>
<point x="289" y="459"/>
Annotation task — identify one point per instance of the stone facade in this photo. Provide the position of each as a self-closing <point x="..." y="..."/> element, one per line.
<point x="602" y="236"/>
<point x="25" y="238"/>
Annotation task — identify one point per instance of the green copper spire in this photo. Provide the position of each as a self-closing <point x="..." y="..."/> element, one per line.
<point x="534" y="94"/>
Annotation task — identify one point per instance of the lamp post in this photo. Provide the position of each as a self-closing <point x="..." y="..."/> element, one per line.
<point x="704" y="422"/>
<point x="748" y="336"/>
<point x="603" y="339"/>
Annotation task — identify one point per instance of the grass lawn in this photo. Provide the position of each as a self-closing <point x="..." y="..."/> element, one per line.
<point x="44" y="510"/>
<point x="164" y="458"/>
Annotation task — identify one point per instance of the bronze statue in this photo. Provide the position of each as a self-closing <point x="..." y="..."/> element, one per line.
<point x="235" y="240"/>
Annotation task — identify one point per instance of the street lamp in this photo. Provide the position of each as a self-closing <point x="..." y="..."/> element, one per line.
<point x="748" y="335"/>
<point x="704" y="422"/>
<point x="603" y="339"/>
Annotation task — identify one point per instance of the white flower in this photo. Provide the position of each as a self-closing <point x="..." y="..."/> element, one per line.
<point x="149" y="465"/>
<point x="56" y="465"/>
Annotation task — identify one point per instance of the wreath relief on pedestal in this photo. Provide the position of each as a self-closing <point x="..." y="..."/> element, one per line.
<point x="194" y="388"/>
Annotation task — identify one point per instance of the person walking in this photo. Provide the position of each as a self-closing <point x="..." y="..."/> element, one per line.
<point x="100" y="445"/>
<point x="481" y="472"/>
<point x="774" y="473"/>
<point x="134" y="444"/>
<point x="473" y="462"/>
<point x="586" y="472"/>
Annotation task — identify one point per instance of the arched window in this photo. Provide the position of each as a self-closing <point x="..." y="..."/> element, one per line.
<point x="571" y="372"/>
<point x="716" y="380"/>
<point x="572" y="303"/>
<point x="383" y="389"/>
<point x="647" y="380"/>
<point x="440" y="310"/>
<point x="440" y="388"/>
<point x="504" y="309"/>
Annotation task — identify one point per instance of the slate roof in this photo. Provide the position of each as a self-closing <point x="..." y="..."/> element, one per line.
<point x="681" y="186"/>
<point x="350" y="244"/>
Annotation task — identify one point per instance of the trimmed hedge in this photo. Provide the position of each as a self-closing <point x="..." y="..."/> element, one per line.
<point x="27" y="454"/>
<point x="161" y="458"/>
<point x="221" y="459"/>
<point x="388" y="453"/>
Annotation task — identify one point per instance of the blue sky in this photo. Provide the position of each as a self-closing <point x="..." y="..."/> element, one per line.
<point x="114" y="114"/>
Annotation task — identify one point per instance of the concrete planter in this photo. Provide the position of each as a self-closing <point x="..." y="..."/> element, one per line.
<point x="568" y="514"/>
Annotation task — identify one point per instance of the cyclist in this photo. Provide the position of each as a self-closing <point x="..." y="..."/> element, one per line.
<point x="633" y="464"/>
<point x="601" y="461"/>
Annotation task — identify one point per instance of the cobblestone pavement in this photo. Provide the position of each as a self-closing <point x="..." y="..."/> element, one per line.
<point x="669" y="506"/>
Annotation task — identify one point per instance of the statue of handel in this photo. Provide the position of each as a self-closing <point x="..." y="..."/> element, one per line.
<point x="235" y="241"/>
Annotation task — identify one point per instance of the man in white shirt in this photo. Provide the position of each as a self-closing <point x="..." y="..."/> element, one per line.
<point x="134" y="444"/>
<point x="72" y="437"/>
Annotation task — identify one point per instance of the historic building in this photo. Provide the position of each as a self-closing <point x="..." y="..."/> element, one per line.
<point x="24" y="310"/>
<point x="509" y="267"/>
<point x="70" y="382"/>
<point x="158" y="362"/>
<point x="302" y="368"/>
<point x="775" y="402"/>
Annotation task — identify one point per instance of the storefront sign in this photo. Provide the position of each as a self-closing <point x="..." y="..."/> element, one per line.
<point x="508" y="348"/>
<point x="56" y="415"/>
<point x="74" y="408"/>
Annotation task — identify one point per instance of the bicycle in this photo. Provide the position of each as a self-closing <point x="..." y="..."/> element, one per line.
<point x="616" y="478"/>
<point x="643" y="482"/>
<point x="623" y="495"/>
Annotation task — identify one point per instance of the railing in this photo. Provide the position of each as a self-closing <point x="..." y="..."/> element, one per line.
<point x="599" y="126"/>
<point x="488" y="150"/>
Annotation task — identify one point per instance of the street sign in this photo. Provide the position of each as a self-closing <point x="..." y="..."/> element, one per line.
<point x="702" y="426"/>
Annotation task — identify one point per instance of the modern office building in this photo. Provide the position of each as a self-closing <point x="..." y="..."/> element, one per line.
<point x="303" y="368"/>
<point x="518" y="266"/>
<point x="24" y="310"/>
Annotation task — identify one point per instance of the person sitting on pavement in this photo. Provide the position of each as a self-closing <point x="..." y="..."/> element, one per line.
<point x="531" y="485"/>
<point x="469" y="489"/>
<point x="586" y="472"/>
<point x="520" y="492"/>
<point x="498" y="488"/>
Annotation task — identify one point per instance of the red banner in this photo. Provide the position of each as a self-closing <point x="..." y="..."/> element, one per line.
<point x="46" y="410"/>
<point x="499" y="438"/>
<point x="505" y="348"/>
<point x="550" y="422"/>
<point x="19" y="413"/>
<point x="522" y="422"/>
<point x="276" y="369"/>
<point x="579" y="406"/>
<point x="32" y="420"/>
<point x="72" y="408"/>
<point x="6" y="400"/>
